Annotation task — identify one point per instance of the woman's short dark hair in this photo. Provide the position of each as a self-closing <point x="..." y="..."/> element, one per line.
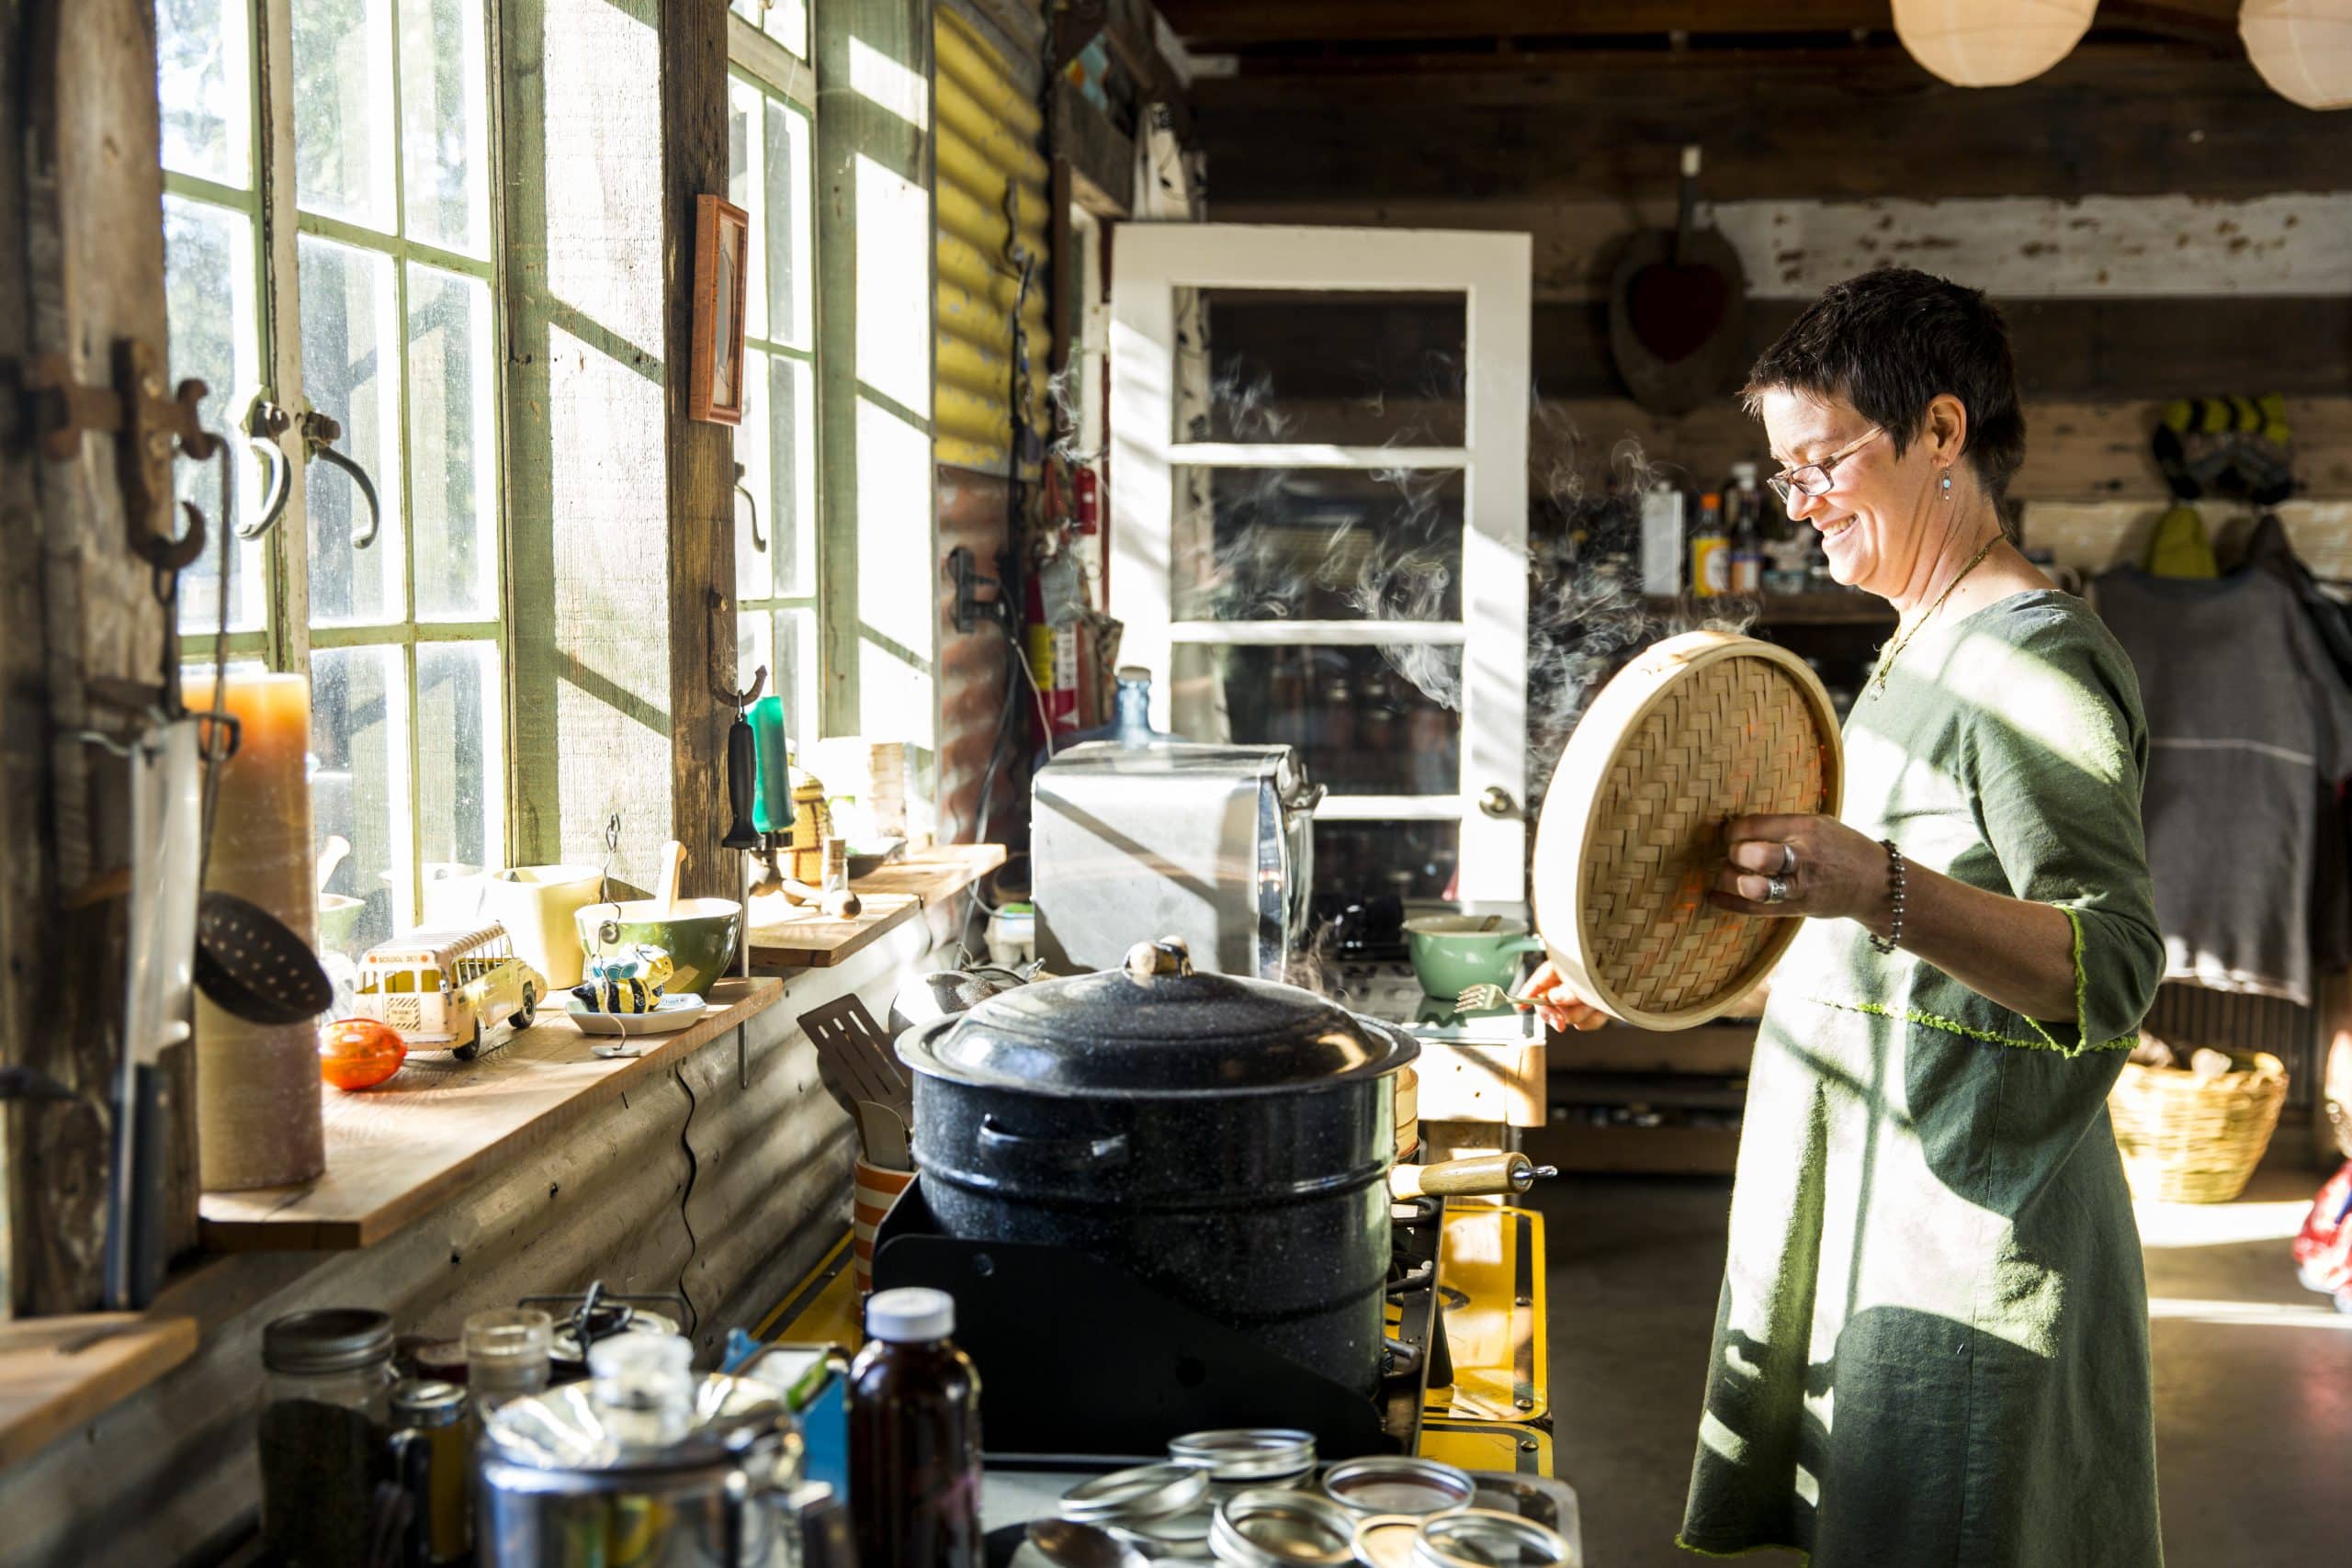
<point x="1890" y="343"/>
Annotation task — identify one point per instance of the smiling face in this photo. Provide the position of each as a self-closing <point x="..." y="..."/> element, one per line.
<point x="1872" y="521"/>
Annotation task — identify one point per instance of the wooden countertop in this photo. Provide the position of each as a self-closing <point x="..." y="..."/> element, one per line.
<point x="57" y="1372"/>
<point x="784" y="937"/>
<point x="397" y="1152"/>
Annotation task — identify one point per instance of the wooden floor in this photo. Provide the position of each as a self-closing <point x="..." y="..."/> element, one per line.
<point x="2253" y="1374"/>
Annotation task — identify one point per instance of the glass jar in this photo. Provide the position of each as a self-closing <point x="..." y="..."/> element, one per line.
<point x="914" y="1436"/>
<point x="507" y="1352"/>
<point x="432" y="1457"/>
<point x="643" y="1385"/>
<point x="325" y="1403"/>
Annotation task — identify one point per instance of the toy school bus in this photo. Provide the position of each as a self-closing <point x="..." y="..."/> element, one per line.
<point x="460" y="991"/>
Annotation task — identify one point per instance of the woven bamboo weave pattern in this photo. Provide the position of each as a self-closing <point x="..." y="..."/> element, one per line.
<point x="2187" y="1139"/>
<point x="1736" y="738"/>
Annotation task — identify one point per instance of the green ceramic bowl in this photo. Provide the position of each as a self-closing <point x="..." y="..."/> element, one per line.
<point x="699" y="935"/>
<point x="1451" y="952"/>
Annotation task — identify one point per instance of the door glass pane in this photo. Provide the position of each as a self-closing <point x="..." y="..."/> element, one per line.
<point x="1290" y="365"/>
<point x="343" y="110"/>
<point x="1318" y="544"/>
<point x="461" y="766"/>
<point x="359" y="787"/>
<point x="350" y="374"/>
<point x="782" y="231"/>
<point x="451" y="446"/>
<point x="215" y="336"/>
<point x="1365" y="720"/>
<point x="1410" y="860"/>
<point x="794" y="677"/>
<point x="747" y="188"/>
<point x="203" y="55"/>
<point x="444" y="133"/>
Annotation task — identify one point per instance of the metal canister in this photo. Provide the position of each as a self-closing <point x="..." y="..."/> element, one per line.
<point x="577" y="1478"/>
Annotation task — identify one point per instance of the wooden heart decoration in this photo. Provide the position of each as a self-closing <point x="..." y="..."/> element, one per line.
<point x="1677" y="310"/>
<point x="1678" y="318"/>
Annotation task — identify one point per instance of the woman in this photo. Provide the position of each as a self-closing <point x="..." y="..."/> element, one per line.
<point x="1932" y="1343"/>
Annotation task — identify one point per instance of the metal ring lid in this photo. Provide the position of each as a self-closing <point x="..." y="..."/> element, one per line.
<point x="1386" y="1540"/>
<point x="1278" y="1527"/>
<point x="1146" y="1491"/>
<point x="427" y="1401"/>
<point x="1246" y="1453"/>
<point x="333" y="1340"/>
<point x="1397" y="1484"/>
<point x="1482" y="1538"/>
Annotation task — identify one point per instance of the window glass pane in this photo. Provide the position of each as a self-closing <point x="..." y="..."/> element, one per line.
<point x="461" y="765"/>
<point x="792" y="676"/>
<point x="451" y="446"/>
<point x="444" y="133"/>
<point x="1318" y="544"/>
<point x="343" y="109"/>
<point x="203" y="55"/>
<point x="747" y="188"/>
<point x="789" y="24"/>
<point x="782" y="232"/>
<point x="359" y="787"/>
<point x="350" y="374"/>
<point x="755" y="651"/>
<point x="209" y="293"/>
<point x="777" y="446"/>
<point x="1361" y="724"/>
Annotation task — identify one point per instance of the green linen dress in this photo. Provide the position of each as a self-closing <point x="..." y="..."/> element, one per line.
<point x="1932" y="1343"/>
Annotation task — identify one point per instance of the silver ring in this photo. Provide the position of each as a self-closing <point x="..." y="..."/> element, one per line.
<point x="1788" y="859"/>
<point x="1776" y="890"/>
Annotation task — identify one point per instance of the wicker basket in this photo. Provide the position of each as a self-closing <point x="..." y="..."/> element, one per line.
<point x="2196" y="1140"/>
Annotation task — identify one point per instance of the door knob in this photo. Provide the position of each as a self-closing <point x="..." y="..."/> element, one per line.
<point x="1496" y="801"/>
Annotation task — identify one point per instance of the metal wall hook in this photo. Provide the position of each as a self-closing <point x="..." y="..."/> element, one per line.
<point x="366" y="492"/>
<point x="759" y="540"/>
<point x="723" y="642"/>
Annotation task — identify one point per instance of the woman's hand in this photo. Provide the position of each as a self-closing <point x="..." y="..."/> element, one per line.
<point x="1557" y="1003"/>
<point x="1830" y="871"/>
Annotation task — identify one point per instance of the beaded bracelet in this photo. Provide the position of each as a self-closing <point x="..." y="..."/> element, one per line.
<point x="1893" y="938"/>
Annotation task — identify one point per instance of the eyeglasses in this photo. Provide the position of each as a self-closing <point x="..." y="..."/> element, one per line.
<point x="1813" y="478"/>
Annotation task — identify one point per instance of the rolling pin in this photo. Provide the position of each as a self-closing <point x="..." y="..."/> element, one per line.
<point x="1480" y="1176"/>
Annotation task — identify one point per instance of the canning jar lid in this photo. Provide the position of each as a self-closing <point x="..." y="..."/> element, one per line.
<point x="427" y="1401"/>
<point x="1246" y="1453"/>
<point x="1276" y="1527"/>
<point x="1398" y="1484"/>
<point x="1156" y="1027"/>
<point x="331" y="1339"/>
<point x="1476" y="1538"/>
<point x="1146" y="1491"/>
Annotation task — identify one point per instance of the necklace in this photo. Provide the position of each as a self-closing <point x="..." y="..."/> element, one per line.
<point x="1894" y="650"/>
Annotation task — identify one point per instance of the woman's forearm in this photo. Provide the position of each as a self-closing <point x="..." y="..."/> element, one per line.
<point x="2016" y="952"/>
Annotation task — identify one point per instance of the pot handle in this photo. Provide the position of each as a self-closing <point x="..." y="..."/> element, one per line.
<point x="1522" y="944"/>
<point x="1078" y="1153"/>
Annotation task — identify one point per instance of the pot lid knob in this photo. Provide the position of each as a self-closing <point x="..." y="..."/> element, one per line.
<point x="1169" y="956"/>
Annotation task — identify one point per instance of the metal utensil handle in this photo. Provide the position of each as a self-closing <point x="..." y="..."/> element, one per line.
<point x="1078" y="1153"/>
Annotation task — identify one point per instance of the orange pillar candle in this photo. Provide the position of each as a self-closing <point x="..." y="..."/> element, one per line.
<point x="257" y="1086"/>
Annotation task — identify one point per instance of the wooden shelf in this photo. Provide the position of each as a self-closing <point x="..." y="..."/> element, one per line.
<point x="782" y="937"/>
<point x="57" y="1372"/>
<point x="396" y="1152"/>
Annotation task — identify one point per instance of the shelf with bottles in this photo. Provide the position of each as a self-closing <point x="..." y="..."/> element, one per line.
<point x="1811" y="606"/>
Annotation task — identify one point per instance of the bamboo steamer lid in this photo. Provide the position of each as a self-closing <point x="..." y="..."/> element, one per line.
<point x="1697" y="731"/>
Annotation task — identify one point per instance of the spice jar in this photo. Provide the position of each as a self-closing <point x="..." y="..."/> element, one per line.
<point x="432" y="1457"/>
<point x="507" y="1352"/>
<point x="323" y="1421"/>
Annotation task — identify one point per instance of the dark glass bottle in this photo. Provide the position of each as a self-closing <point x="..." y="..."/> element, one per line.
<point x="914" y="1437"/>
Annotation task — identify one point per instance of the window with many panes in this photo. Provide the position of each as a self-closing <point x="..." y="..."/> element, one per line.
<point x="359" y="282"/>
<point x="771" y="103"/>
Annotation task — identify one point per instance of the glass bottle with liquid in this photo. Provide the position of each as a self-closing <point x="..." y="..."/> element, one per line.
<point x="1709" y="550"/>
<point x="1745" y="506"/>
<point x="914" y="1436"/>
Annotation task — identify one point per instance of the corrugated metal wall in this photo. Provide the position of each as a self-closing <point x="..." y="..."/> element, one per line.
<point x="990" y="172"/>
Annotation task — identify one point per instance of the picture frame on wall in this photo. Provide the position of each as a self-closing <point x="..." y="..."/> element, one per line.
<point x="722" y="265"/>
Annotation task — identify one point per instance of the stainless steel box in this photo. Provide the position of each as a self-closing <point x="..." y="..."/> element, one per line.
<point x="1210" y="843"/>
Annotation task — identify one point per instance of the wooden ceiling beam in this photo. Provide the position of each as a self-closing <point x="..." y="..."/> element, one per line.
<point x="1216" y="26"/>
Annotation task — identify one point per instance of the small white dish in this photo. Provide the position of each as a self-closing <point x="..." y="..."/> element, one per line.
<point x="669" y="1015"/>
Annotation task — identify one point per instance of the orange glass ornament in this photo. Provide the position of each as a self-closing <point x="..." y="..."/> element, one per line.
<point x="360" y="1053"/>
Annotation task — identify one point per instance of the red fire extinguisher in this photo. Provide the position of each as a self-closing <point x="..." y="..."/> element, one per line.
<point x="1057" y="605"/>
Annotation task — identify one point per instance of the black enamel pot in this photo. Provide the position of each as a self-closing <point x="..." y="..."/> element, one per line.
<point x="1227" y="1141"/>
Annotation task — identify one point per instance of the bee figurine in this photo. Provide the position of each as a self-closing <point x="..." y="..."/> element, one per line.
<point x="627" y="979"/>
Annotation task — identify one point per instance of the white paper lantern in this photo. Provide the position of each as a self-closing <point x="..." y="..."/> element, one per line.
<point x="2303" y="49"/>
<point x="1991" y="43"/>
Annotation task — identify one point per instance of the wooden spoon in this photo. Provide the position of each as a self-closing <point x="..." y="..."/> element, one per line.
<point x="665" y="891"/>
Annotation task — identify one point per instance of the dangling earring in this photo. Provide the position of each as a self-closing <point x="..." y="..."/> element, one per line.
<point x="1947" y="487"/>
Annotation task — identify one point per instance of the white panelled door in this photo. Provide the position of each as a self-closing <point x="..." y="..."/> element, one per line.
<point x="1318" y="488"/>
